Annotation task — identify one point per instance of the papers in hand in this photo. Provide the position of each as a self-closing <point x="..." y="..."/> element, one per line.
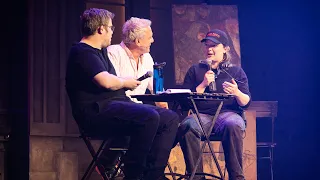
<point x="178" y="91"/>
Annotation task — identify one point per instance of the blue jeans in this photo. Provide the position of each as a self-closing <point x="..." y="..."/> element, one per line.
<point x="229" y="126"/>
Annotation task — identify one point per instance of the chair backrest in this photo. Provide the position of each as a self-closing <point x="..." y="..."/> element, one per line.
<point x="265" y="108"/>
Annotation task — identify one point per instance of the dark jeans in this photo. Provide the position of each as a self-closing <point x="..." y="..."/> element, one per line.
<point x="229" y="126"/>
<point x="152" y="131"/>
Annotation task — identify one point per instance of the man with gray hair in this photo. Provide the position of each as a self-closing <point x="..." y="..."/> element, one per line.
<point x="131" y="58"/>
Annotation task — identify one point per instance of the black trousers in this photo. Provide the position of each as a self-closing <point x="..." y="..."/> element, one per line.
<point x="152" y="131"/>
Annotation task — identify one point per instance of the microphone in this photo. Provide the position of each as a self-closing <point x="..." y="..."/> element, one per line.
<point x="145" y="76"/>
<point x="212" y="85"/>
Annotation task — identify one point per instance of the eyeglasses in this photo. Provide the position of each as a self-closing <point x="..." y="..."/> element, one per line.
<point x="111" y="27"/>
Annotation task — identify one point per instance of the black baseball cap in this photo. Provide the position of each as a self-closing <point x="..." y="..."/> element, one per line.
<point x="217" y="36"/>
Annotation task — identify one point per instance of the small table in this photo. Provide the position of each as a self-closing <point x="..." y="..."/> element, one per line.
<point x="187" y="101"/>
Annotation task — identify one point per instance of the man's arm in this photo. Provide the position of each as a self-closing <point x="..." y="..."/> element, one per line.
<point x="95" y="69"/>
<point x="109" y="81"/>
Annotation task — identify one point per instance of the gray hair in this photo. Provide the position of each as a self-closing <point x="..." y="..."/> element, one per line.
<point x="134" y="29"/>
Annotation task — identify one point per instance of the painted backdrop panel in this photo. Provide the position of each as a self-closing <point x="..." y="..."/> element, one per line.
<point x="190" y="25"/>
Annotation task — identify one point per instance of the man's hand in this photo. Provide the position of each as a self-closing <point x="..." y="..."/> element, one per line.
<point x="162" y="105"/>
<point x="208" y="78"/>
<point x="231" y="88"/>
<point x="130" y="83"/>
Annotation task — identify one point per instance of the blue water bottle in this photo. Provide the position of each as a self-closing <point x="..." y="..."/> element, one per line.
<point x="158" y="77"/>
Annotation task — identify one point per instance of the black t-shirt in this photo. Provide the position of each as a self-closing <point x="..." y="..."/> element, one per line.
<point x="83" y="64"/>
<point x="195" y="76"/>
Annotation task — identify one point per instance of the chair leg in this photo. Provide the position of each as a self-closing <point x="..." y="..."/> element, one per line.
<point x="89" y="170"/>
<point x="224" y="172"/>
<point x="171" y="171"/>
<point x="271" y="162"/>
<point x="215" y="161"/>
<point x="95" y="160"/>
<point x="118" y="166"/>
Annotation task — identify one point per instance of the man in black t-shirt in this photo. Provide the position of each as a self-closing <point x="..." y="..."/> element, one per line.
<point x="216" y="74"/>
<point x="100" y="106"/>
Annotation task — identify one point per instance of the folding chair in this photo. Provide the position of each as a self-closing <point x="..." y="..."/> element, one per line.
<point x="95" y="162"/>
<point x="174" y="175"/>
<point x="97" y="154"/>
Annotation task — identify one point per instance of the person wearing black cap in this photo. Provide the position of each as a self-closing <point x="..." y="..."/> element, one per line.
<point x="216" y="70"/>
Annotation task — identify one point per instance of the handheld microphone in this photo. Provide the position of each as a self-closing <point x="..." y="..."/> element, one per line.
<point x="212" y="85"/>
<point x="145" y="76"/>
